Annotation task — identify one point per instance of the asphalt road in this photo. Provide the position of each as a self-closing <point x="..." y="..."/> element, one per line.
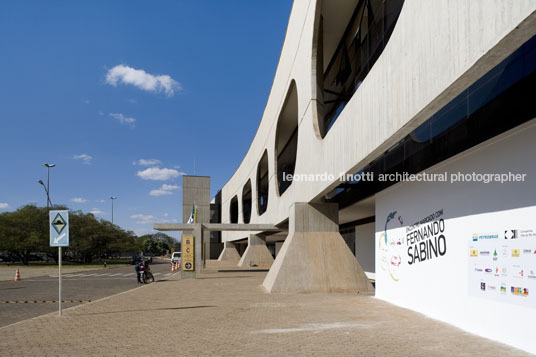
<point x="88" y="286"/>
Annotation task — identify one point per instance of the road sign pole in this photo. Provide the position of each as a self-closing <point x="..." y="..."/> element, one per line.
<point x="59" y="276"/>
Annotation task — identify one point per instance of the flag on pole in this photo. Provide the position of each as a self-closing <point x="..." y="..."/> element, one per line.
<point x="193" y="215"/>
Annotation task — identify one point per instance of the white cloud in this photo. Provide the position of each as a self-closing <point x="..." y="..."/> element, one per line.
<point x="143" y="218"/>
<point x="156" y="173"/>
<point x="96" y="211"/>
<point x="124" y="119"/>
<point x="84" y="157"/>
<point x="85" y="101"/>
<point x="164" y="190"/>
<point x="78" y="200"/>
<point x="100" y="201"/>
<point x="147" y="162"/>
<point x="3" y="205"/>
<point x="143" y="80"/>
<point x="166" y="214"/>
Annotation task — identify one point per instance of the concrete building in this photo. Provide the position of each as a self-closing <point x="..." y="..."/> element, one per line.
<point x="368" y="93"/>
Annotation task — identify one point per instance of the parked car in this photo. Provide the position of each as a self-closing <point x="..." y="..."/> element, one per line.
<point x="176" y="257"/>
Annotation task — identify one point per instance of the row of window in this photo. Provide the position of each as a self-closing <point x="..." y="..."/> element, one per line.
<point x="350" y="37"/>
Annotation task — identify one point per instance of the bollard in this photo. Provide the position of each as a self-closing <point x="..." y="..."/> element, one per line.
<point x="104" y="264"/>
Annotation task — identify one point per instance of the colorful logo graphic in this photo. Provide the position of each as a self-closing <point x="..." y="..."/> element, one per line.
<point x="473" y="252"/>
<point x="390" y="249"/>
<point x="519" y="291"/>
<point x="515" y="253"/>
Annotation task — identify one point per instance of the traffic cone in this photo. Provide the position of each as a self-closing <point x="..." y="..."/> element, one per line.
<point x="17" y="275"/>
<point x="172" y="267"/>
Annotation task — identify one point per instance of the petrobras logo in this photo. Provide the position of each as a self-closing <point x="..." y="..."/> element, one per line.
<point x="519" y="291"/>
<point x="485" y="236"/>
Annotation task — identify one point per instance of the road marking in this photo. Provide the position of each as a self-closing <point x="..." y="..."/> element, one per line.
<point x="156" y="273"/>
<point x="42" y="301"/>
<point x="116" y="274"/>
<point x="168" y="274"/>
<point x="129" y="274"/>
<point x="102" y="274"/>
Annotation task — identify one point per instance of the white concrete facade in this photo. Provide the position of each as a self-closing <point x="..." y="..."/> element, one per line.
<point x="437" y="49"/>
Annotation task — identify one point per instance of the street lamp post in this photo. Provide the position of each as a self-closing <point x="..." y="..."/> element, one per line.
<point x="113" y="198"/>
<point x="47" y="189"/>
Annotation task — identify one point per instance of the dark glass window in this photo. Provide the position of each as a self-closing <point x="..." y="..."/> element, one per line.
<point x="361" y="44"/>
<point x="233" y="210"/>
<point x="262" y="184"/>
<point x="246" y="202"/>
<point x="286" y="142"/>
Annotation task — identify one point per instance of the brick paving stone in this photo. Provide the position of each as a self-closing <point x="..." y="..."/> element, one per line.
<point x="229" y="314"/>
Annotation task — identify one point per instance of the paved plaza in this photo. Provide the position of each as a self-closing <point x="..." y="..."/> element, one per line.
<point x="229" y="314"/>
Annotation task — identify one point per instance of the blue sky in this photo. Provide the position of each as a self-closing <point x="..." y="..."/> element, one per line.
<point x="125" y="96"/>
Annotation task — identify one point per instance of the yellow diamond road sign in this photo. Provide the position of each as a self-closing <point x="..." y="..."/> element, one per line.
<point x="59" y="223"/>
<point x="59" y="228"/>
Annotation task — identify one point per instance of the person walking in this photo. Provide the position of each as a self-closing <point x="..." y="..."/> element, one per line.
<point x="137" y="268"/>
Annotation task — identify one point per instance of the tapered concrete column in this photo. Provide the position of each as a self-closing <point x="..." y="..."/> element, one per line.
<point x="256" y="254"/>
<point x="229" y="253"/>
<point x="315" y="257"/>
<point x="278" y="246"/>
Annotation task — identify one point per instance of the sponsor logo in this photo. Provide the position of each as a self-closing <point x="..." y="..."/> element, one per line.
<point x="526" y="233"/>
<point x="495" y="255"/>
<point x="503" y="288"/>
<point x="511" y="234"/>
<point x="492" y="287"/>
<point x="531" y="274"/>
<point x="515" y="253"/>
<point x="485" y="236"/>
<point x="519" y="291"/>
<point x="478" y="270"/>
<point x="483" y="286"/>
<point x="527" y="251"/>
<point x="484" y="253"/>
<point x="504" y="272"/>
<point x="488" y="270"/>
<point x="473" y="252"/>
<point x="496" y="271"/>
<point x="505" y="252"/>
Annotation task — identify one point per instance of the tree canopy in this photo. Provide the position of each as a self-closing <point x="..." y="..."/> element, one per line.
<point x="25" y="231"/>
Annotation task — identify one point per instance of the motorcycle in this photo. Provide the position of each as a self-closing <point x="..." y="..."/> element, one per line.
<point x="145" y="273"/>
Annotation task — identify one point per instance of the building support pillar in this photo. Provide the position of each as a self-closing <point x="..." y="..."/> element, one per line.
<point x="256" y="254"/>
<point x="314" y="257"/>
<point x="229" y="253"/>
